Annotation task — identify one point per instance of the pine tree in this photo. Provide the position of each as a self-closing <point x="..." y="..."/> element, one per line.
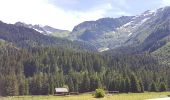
<point x="135" y="86"/>
<point x="71" y="85"/>
<point x="127" y="85"/>
<point x="153" y="87"/>
<point x="76" y="87"/>
<point x="85" y="85"/>
<point x="95" y="83"/>
<point x="141" y="86"/>
<point x="11" y="86"/>
<point x="122" y="85"/>
<point x="22" y="88"/>
<point x="51" y="85"/>
<point x="26" y="88"/>
<point x="162" y="87"/>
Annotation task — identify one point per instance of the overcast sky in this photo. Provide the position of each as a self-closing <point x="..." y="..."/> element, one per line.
<point x="65" y="14"/>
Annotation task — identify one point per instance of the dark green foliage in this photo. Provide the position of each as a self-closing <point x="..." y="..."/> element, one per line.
<point x="127" y="85"/>
<point x="95" y="83"/>
<point x="153" y="87"/>
<point x="141" y="86"/>
<point x="135" y="86"/>
<point x="85" y="85"/>
<point x="162" y="87"/>
<point x="10" y="86"/>
<point x="24" y="87"/>
<point x="40" y="70"/>
<point x="99" y="93"/>
<point x="71" y="85"/>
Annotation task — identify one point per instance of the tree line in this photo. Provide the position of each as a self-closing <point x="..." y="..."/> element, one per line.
<point x="39" y="70"/>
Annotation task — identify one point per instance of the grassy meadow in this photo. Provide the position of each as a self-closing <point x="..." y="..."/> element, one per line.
<point x="130" y="96"/>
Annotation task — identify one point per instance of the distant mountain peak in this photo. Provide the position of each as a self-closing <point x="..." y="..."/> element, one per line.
<point x="46" y="30"/>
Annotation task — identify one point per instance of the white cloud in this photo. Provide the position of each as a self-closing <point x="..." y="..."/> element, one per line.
<point x="41" y="12"/>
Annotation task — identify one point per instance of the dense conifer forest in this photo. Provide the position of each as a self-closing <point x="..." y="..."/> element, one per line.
<point x="38" y="70"/>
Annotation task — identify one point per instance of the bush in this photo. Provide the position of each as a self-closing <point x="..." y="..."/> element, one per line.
<point x="99" y="93"/>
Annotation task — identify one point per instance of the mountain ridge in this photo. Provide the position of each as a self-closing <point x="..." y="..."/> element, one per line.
<point x="147" y="31"/>
<point x="46" y="30"/>
<point x="27" y="37"/>
<point x="135" y="30"/>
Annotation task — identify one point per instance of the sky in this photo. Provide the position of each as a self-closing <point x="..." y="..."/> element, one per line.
<point x="65" y="14"/>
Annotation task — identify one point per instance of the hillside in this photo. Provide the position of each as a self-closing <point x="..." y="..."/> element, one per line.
<point x="26" y="37"/>
<point x="163" y="54"/>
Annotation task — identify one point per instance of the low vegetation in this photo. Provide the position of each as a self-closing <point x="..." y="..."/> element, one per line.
<point x="124" y="96"/>
<point x="99" y="93"/>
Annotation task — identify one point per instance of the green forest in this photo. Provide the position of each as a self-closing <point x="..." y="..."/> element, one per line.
<point x="39" y="70"/>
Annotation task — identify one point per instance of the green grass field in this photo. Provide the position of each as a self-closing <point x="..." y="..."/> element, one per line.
<point x="130" y="96"/>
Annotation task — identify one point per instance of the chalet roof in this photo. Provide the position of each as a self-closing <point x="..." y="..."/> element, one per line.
<point x="61" y="90"/>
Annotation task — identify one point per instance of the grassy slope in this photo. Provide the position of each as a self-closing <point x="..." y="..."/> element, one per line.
<point x="61" y="34"/>
<point x="130" y="96"/>
<point x="2" y="42"/>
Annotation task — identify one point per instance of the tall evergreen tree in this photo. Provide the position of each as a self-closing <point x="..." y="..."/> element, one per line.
<point x="127" y="85"/>
<point x="141" y="86"/>
<point x="71" y="85"/>
<point x="162" y="87"/>
<point x="85" y="85"/>
<point x="153" y="87"/>
<point x="135" y="86"/>
<point x="11" y="86"/>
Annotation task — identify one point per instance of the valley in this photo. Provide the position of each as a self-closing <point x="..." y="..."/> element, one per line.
<point x="128" y="54"/>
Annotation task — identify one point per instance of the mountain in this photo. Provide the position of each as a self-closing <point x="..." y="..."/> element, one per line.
<point x="100" y="33"/>
<point x="146" y="32"/>
<point x="142" y="31"/>
<point x="25" y="37"/>
<point x="46" y="30"/>
<point x="154" y="33"/>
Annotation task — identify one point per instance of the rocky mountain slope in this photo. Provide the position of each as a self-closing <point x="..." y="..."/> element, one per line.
<point x="143" y="31"/>
<point x="46" y="30"/>
<point x="154" y="33"/>
<point x="101" y="33"/>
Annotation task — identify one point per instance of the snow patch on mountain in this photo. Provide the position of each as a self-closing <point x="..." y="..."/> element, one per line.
<point x="38" y="30"/>
<point x="103" y="49"/>
<point x="149" y="12"/>
<point x="144" y="20"/>
<point x="127" y="24"/>
<point x="45" y="30"/>
<point x="129" y="34"/>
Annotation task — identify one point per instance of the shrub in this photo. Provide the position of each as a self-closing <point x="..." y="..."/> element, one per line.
<point x="99" y="93"/>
